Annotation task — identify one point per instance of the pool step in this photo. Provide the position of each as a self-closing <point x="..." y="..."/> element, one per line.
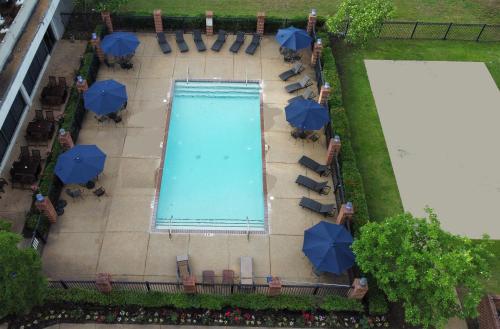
<point x="207" y="224"/>
<point x="217" y="89"/>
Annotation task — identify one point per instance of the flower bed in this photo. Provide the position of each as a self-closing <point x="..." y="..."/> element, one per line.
<point x="72" y="313"/>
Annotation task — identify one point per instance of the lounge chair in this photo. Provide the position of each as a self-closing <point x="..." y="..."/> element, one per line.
<point x="313" y="205"/>
<point x="221" y="39"/>
<point x="183" y="269"/>
<point x="198" y="40"/>
<point x="307" y="94"/>
<point x="319" y="187"/>
<point x="162" y="41"/>
<point x="309" y="163"/>
<point x="246" y="270"/>
<point x="295" y="70"/>
<point x="179" y="38"/>
<point x="227" y="276"/>
<point x="208" y="277"/>
<point x="304" y="83"/>
<point x="252" y="47"/>
<point x="240" y="39"/>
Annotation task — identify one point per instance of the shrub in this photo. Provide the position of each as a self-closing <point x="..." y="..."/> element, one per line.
<point x="336" y="303"/>
<point x="5" y="226"/>
<point x="377" y="303"/>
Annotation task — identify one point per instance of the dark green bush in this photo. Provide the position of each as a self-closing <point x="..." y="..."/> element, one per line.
<point x="336" y="303"/>
<point x="377" y="303"/>
<point x="212" y="302"/>
<point x="5" y="226"/>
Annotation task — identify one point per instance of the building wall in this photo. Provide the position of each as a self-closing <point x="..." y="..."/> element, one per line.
<point x="51" y="18"/>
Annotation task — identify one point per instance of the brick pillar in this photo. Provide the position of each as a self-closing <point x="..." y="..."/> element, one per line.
<point x="333" y="149"/>
<point x="158" y="20"/>
<point x="346" y="212"/>
<point x="189" y="284"/>
<point x="359" y="289"/>
<point x="324" y="94"/>
<point x="96" y="43"/>
<point x="488" y="318"/>
<point x="209" y="18"/>
<point x="81" y="84"/>
<point x="44" y="205"/>
<point x="275" y="286"/>
<point x="311" y="21"/>
<point x="316" y="53"/>
<point x="261" y="19"/>
<point x="106" y="18"/>
<point x="103" y="282"/>
<point x="65" y="139"/>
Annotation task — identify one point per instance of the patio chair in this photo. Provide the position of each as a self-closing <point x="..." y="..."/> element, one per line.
<point x="99" y="192"/>
<point x="304" y="83"/>
<point x="52" y="81"/>
<point x="39" y="115"/>
<point x="181" y="43"/>
<point x="307" y="94"/>
<point x="162" y="42"/>
<point x="309" y="163"/>
<point x="25" y="153"/>
<point x="62" y="82"/>
<point x="221" y="39"/>
<point x="240" y="39"/>
<point x="311" y="184"/>
<point x="36" y="155"/>
<point x="198" y="40"/>
<point x="318" y="207"/>
<point x="49" y="116"/>
<point x="3" y="182"/>
<point x="246" y="270"/>
<point x="295" y="70"/>
<point x="208" y="277"/>
<point x="183" y="269"/>
<point x="252" y="47"/>
<point x="77" y="193"/>
<point x="127" y="65"/>
<point x="227" y="276"/>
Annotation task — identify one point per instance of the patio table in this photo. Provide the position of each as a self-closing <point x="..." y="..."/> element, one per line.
<point x="25" y="171"/>
<point x="54" y="95"/>
<point x="40" y="130"/>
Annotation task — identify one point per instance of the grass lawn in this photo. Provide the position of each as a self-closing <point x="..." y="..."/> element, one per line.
<point x="466" y="11"/>
<point x="367" y="136"/>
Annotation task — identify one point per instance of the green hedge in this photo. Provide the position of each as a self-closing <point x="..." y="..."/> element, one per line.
<point x="212" y="302"/>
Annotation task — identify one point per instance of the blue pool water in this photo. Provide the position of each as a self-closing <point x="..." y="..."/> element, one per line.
<point x="212" y="173"/>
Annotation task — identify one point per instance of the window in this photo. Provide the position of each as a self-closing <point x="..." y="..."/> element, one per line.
<point x="11" y="122"/>
<point x="37" y="64"/>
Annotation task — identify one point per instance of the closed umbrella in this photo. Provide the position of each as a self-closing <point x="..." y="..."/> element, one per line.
<point x="328" y="247"/>
<point x="293" y="38"/>
<point x="105" y="97"/>
<point x="119" y="44"/>
<point x="80" y="164"/>
<point x="305" y="114"/>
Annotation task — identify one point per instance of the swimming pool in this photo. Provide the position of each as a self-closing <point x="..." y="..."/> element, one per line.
<point x="212" y="174"/>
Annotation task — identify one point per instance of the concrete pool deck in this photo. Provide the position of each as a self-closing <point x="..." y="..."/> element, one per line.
<point x="113" y="234"/>
<point x="440" y="121"/>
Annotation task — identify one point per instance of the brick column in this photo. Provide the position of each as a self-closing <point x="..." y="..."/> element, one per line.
<point x="65" y="139"/>
<point x="81" y="84"/>
<point x="333" y="149"/>
<point x="324" y="94"/>
<point x="316" y="53"/>
<point x="96" y="42"/>
<point x="359" y="289"/>
<point x="346" y="212"/>
<point x="189" y="284"/>
<point x="106" y="18"/>
<point x="209" y="21"/>
<point x="46" y="207"/>
<point x="261" y="19"/>
<point x="275" y="286"/>
<point x="103" y="282"/>
<point x="158" y="20"/>
<point x="488" y="318"/>
<point x="311" y="21"/>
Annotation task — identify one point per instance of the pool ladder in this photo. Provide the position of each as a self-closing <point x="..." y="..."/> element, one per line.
<point x="187" y="75"/>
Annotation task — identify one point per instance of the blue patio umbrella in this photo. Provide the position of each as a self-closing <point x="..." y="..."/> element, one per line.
<point x="105" y="97"/>
<point x="80" y="164"/>
<point x="328" y="247"/>
<point x="305" y="114"/>
<point x="293" y="38"/>
<point x="120" y="44"/>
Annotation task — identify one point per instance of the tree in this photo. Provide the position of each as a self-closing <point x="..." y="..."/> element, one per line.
<point x="22" y="284"/>
<point x="417" y="263"/>
<point x="364" y="19"/>
<point x="100" y="5"/>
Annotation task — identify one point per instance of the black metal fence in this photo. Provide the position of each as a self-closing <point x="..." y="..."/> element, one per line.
<point x="317" y="289"/>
